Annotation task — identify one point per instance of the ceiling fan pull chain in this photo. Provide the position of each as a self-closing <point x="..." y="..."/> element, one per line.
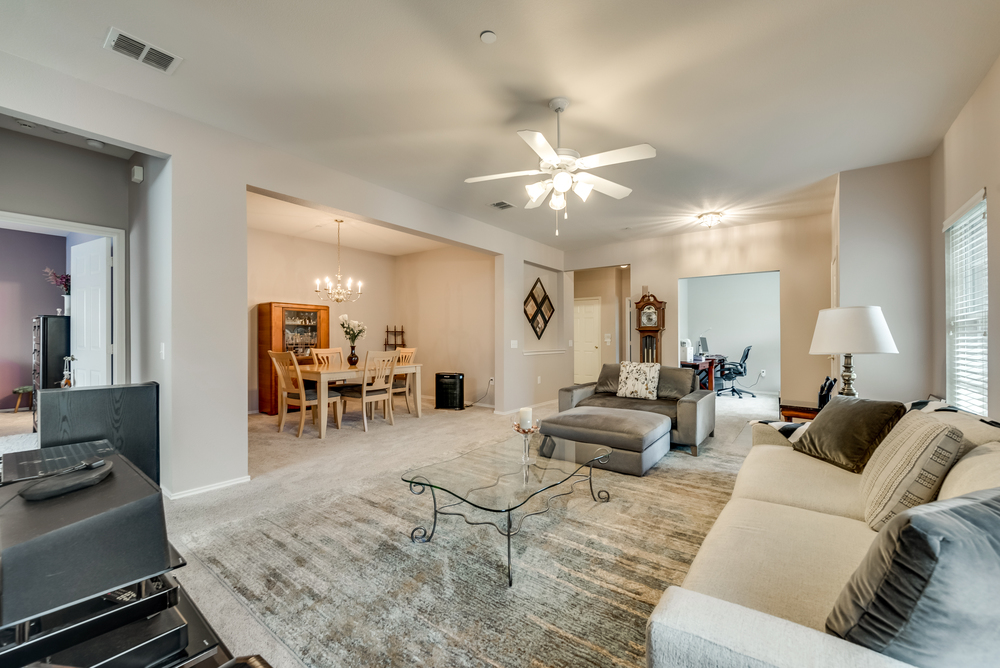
<point x="557" y="223"/>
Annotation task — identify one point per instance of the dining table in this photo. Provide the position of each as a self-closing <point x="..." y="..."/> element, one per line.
<point x="323" y="374"/>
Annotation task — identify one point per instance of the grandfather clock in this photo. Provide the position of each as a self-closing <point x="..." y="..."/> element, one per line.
<point x="649" y="322"/>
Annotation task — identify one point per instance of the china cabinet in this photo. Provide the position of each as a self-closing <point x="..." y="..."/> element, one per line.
<point x="287" y="328"/>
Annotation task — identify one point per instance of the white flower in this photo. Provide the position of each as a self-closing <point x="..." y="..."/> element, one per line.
<point x="354" y="324"/>
<point x="343" y="317"/>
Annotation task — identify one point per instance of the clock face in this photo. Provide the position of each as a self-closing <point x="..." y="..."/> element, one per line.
<point x="649" y="316"/>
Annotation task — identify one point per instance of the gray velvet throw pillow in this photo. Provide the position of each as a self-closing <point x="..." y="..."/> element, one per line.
<point x="608" y="380"/>
<point x="676" y="383"/>
<point x="847" y="431"/>
<point x="928" y="591"/>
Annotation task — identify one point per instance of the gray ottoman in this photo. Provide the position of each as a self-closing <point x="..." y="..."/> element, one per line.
<point x="638" y="439"/>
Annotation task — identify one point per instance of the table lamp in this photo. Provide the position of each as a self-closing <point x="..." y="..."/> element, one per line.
<point x="849" y="331"/>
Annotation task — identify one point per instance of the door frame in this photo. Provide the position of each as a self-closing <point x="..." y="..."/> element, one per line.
<point x="119" y="248"/>
<point x="600" y="350"/>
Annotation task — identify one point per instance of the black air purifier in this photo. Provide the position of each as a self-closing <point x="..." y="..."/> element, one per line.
<point x="449" y="390"/>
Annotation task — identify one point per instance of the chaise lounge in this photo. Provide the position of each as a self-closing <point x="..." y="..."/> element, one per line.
<point x="639" y="431"/>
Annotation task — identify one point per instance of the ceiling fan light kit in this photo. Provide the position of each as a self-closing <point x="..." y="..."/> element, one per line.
<point x="563" y="167"/>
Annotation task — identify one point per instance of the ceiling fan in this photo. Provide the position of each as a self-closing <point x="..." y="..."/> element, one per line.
<point x="564" y="168"/>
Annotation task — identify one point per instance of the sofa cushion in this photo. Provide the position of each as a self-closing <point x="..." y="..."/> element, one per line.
<point x="978" y="469"/>
<point x="676" y="383"/>
<point x="660" y="406"/>
<point x="607" y="381"/>
<point x="784" y="561"/>
<point x="779" y="474"/>
<point x="976" y="430"/>
<point x="638" y="380"/>
<point x="908" y="467"/>
<point x="616" y="428"/>
<point x="847" y="431"/>
<point x="926" y="592"/>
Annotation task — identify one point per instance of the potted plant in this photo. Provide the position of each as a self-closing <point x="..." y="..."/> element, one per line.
<point x="353" y="332"/>
<point x="62" y="280"/>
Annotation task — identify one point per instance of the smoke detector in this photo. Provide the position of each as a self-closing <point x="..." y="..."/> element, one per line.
<point x="140" y="50"/>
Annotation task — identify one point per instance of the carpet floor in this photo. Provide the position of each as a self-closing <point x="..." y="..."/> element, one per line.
<point x="311" y="563"/>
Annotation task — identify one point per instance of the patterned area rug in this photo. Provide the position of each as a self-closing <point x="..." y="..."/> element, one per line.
<point x="337" y="578"/>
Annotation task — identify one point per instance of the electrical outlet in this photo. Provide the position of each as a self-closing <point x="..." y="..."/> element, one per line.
<point x="513" y="343"/>
<point x="763" y="373"/>
<point x="491" y="380"/>
<point x="539" y="380"/>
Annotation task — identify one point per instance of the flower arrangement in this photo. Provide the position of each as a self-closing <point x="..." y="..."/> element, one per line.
<point x="353" y="330"/>
<point x="62" y="280"/>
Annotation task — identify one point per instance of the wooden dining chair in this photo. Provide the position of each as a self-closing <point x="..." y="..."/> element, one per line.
<point x="401" y="383"/>
<point x="291" y="391"/>
<point x="335" y="357"/>
<point x="376" y="385"/>
<point x="327" y="355"/>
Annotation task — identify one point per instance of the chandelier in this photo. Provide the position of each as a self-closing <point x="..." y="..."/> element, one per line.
<point x="337" y="293"/>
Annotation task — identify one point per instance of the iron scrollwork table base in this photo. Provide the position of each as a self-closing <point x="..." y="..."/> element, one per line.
<point x="508" y="526"/>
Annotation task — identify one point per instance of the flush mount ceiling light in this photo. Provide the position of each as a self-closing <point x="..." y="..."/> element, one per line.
<point x="488" y="36"/>
<point x="710" y="219"/>
<point x="563" y="167"/>
<point x="95" y="143"/>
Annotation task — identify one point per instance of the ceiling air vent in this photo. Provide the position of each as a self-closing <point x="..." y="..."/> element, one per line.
<point x="501" y="205"/>
<point x="136" y="49"/>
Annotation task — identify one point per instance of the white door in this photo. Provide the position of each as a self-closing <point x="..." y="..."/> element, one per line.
<point x="587" y="348"/>
<point x="90" y="312"/>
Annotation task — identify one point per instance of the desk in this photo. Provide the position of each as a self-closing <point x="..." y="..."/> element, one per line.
<point x="708" y="364"/>
<point x="798" y="410"/>
<point x="324" y="373"/>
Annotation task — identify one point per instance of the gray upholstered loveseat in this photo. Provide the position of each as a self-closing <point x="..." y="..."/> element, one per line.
<point x="691" y="411"/>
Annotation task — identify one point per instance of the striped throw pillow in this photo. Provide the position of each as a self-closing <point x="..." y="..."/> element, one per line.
<point x="907" y="468"/>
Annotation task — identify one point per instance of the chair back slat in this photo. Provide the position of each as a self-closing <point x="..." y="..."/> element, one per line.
<point x="328" y="356"/>
<point x="289" y="376"/>
<point x="379" y="369"/>
<point x="405" y="356"/>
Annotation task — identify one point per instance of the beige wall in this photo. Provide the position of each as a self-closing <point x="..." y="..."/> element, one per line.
<point x="444" y="300"/>
<point x="967" y="160"/>
<point x="800" y="249"/>
<point x="205" y="221"/>
<point x="284" y="269"/>
<point x="885" y="261"/>
<point x="605" y="283"/>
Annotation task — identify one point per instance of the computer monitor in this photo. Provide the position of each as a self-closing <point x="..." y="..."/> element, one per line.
<point x="703" y="344"/>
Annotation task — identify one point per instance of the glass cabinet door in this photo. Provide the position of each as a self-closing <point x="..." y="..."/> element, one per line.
<point x="301" y="331"/>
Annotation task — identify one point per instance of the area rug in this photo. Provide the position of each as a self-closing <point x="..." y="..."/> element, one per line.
<point x="337" y="579"/>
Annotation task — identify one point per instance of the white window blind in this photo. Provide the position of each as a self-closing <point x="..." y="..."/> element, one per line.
<point x="966" y="303"/>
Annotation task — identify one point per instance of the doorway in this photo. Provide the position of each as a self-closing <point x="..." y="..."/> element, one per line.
<point x="724" y="315"/>
<point x="587" y="329"/>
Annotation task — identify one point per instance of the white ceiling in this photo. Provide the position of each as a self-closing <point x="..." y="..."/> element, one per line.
<point x="750" y="104"/>
<point x="281" y="217"/>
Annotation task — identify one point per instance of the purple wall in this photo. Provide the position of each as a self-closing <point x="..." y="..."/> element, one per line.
<point x="24" y="293"/>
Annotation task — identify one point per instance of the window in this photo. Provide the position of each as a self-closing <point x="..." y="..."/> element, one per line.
<point x="966" y="307"/>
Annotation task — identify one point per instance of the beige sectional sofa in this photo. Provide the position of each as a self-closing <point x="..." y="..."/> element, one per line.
<point x="769" y="572"/>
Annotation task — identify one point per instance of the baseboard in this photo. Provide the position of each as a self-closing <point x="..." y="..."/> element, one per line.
<point x="201" y="490"/>
<point x="253" y="412"/>
<point x="22" y="409"/>
<point x="541" y="405"/>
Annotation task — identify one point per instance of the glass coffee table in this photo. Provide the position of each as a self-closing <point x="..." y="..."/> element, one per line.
<point x="498" y="485"/>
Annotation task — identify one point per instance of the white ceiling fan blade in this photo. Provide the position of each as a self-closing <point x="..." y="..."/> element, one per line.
<point x="628" y="154"/>
<point x="534" y="204"/>
<point x="506" y="175"/>
<point x="539" y="145"/>
<point x="609" y="188"/>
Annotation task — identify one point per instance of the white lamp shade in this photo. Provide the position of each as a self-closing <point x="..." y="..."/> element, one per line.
<point x="857" y="330"/>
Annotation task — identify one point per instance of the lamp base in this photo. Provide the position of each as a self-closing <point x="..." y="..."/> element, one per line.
<point x="848" y="376"/>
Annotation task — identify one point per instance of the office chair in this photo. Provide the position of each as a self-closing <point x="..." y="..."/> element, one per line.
<point x="733" y="370"/>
